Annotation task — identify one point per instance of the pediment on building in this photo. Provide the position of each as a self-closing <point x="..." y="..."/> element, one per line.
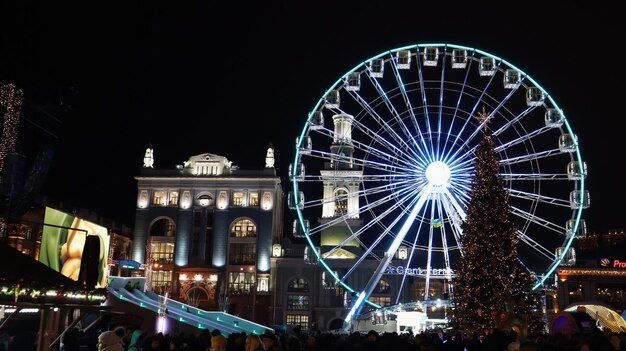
<point x="207" y="164"/>
<point x="339" y="254"/>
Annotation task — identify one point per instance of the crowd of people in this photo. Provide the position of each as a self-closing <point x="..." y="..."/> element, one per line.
<point x="129" y="339"/>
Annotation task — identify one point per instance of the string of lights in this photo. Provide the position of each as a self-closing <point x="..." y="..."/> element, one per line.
<point x="11" y="98"/>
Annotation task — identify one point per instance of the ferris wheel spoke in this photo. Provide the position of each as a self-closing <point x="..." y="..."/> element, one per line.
<point x="440" y="114"/>
<point x="456" y="222"/>
<point x="506" y="98"/>
<point x="454" y="203"/>
<point x="392" y="152"/>
<point x="395" y="153"/>
<point x="447" y="156"/>
<point x="424" y="102"/>
<point x="535" y="246"/>
<point x="538" y="198"/>
<point x="429" y="252"/>
<point x="523" y="138"/>
<point x="380" y="166"/>
<point x="534" y="176"/>
<point x="409" y="106"/>
<point x="396" y="114"/>
<point x="370" y="248"/>
<point x="462" y="168"/>
<point x="530" y="157"/>
<point x="538" y="220"/>
<point x="406" y="193"/>
<point x="462" y="188"/>
<point x="386" y="126"/>
<point x="476" y="130"/>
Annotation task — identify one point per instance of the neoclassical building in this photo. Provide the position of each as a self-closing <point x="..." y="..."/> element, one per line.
<point x="206" y="230"/>
<point x="212" y="235"/>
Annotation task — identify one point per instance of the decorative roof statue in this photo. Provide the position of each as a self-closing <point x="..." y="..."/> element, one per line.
<point x="148" y="158"/>
<point x="269" y="157"/>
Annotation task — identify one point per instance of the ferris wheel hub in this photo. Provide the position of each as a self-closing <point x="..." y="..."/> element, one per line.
<point x="437" y="173"/>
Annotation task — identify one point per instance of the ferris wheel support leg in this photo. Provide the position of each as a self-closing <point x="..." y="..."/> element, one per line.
<point x="388" y="256"/>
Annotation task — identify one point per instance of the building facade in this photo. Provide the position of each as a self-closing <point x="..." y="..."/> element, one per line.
<point x="599" y="274"/>
<point x="206" y="231"/>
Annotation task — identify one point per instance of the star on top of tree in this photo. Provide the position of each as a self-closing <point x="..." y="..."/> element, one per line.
<point x="483" y="118"/>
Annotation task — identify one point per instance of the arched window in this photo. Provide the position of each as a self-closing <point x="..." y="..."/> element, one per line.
<point x="341" y="202"/>
<point x="243" y="228"/>
<point x="163" y="227"/>
<point x="298" y="285"/>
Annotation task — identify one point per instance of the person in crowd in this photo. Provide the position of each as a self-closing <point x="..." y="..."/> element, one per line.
<point x="513" y="346"/>
<point x="292" y="343"/>
<point x="373" y="341"/>
<point x="156" y="343"/>
<point x="218" y="341"/>
<point x="204" y="340"/>
<point x="136" y="339"/>
<point x="311" y="343"/>
<point x="254" y="343"/>
<point x="109" y="341"/>
<point x="270" y="340"/>
<point x="177" y="343"/>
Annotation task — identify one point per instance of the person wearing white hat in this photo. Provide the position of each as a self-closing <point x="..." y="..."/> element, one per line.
<point x="109" y="341"/>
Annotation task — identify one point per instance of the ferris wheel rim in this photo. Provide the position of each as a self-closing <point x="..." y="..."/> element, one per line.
<point x="577" y="217"/>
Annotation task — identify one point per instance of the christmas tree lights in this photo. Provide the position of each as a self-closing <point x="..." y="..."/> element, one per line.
<point x="492" y="288"/>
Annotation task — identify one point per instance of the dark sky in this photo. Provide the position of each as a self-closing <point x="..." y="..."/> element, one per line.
<point x="229" y="79"/>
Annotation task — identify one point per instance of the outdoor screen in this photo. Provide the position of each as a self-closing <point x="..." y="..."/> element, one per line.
<point x="63" y="241"/>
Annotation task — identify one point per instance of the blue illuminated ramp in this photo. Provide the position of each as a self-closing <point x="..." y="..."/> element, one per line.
<point x="190" y="315"/>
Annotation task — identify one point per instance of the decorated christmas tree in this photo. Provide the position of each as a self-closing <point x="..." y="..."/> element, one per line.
<point x="492" y="289"/>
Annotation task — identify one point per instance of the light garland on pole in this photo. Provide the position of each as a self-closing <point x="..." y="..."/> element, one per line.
<point x="11" y="98"/>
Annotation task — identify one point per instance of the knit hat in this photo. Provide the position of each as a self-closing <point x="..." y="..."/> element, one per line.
<point x="108" y="338"/>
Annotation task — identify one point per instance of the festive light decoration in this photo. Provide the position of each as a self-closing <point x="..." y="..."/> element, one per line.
<point x="11" y="100"/>
<point x="20" y="292"/>
<point x="492" y="288"/>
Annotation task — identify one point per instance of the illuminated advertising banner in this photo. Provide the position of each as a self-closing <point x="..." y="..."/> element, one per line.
<point x="63" y="240"/>
<point x="612" y="263"/>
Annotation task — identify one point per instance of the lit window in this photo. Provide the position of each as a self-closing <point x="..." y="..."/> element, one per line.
<point x="240" y="282"/>
<point x="159" y="198"/>
<point x="381" y="300"/>
<point x="297" y="302"/>
<point x="254" y="199"/>
<point x="263" y="283"/>
<point x="174" y="198"/>
<point x="242" y="254"/>
<point x="341" y="202"/>
<point x="296" y="319"/>
<point x="243" y="228"/>
<point x="298" y="285"/>
<point x="238" y="198"/>
<point x="328" y="281"/>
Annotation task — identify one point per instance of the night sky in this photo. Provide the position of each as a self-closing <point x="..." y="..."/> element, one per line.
<point x="230" y="79"/>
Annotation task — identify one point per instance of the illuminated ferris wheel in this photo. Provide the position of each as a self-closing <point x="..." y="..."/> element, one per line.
<point x="383" y="166"/>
